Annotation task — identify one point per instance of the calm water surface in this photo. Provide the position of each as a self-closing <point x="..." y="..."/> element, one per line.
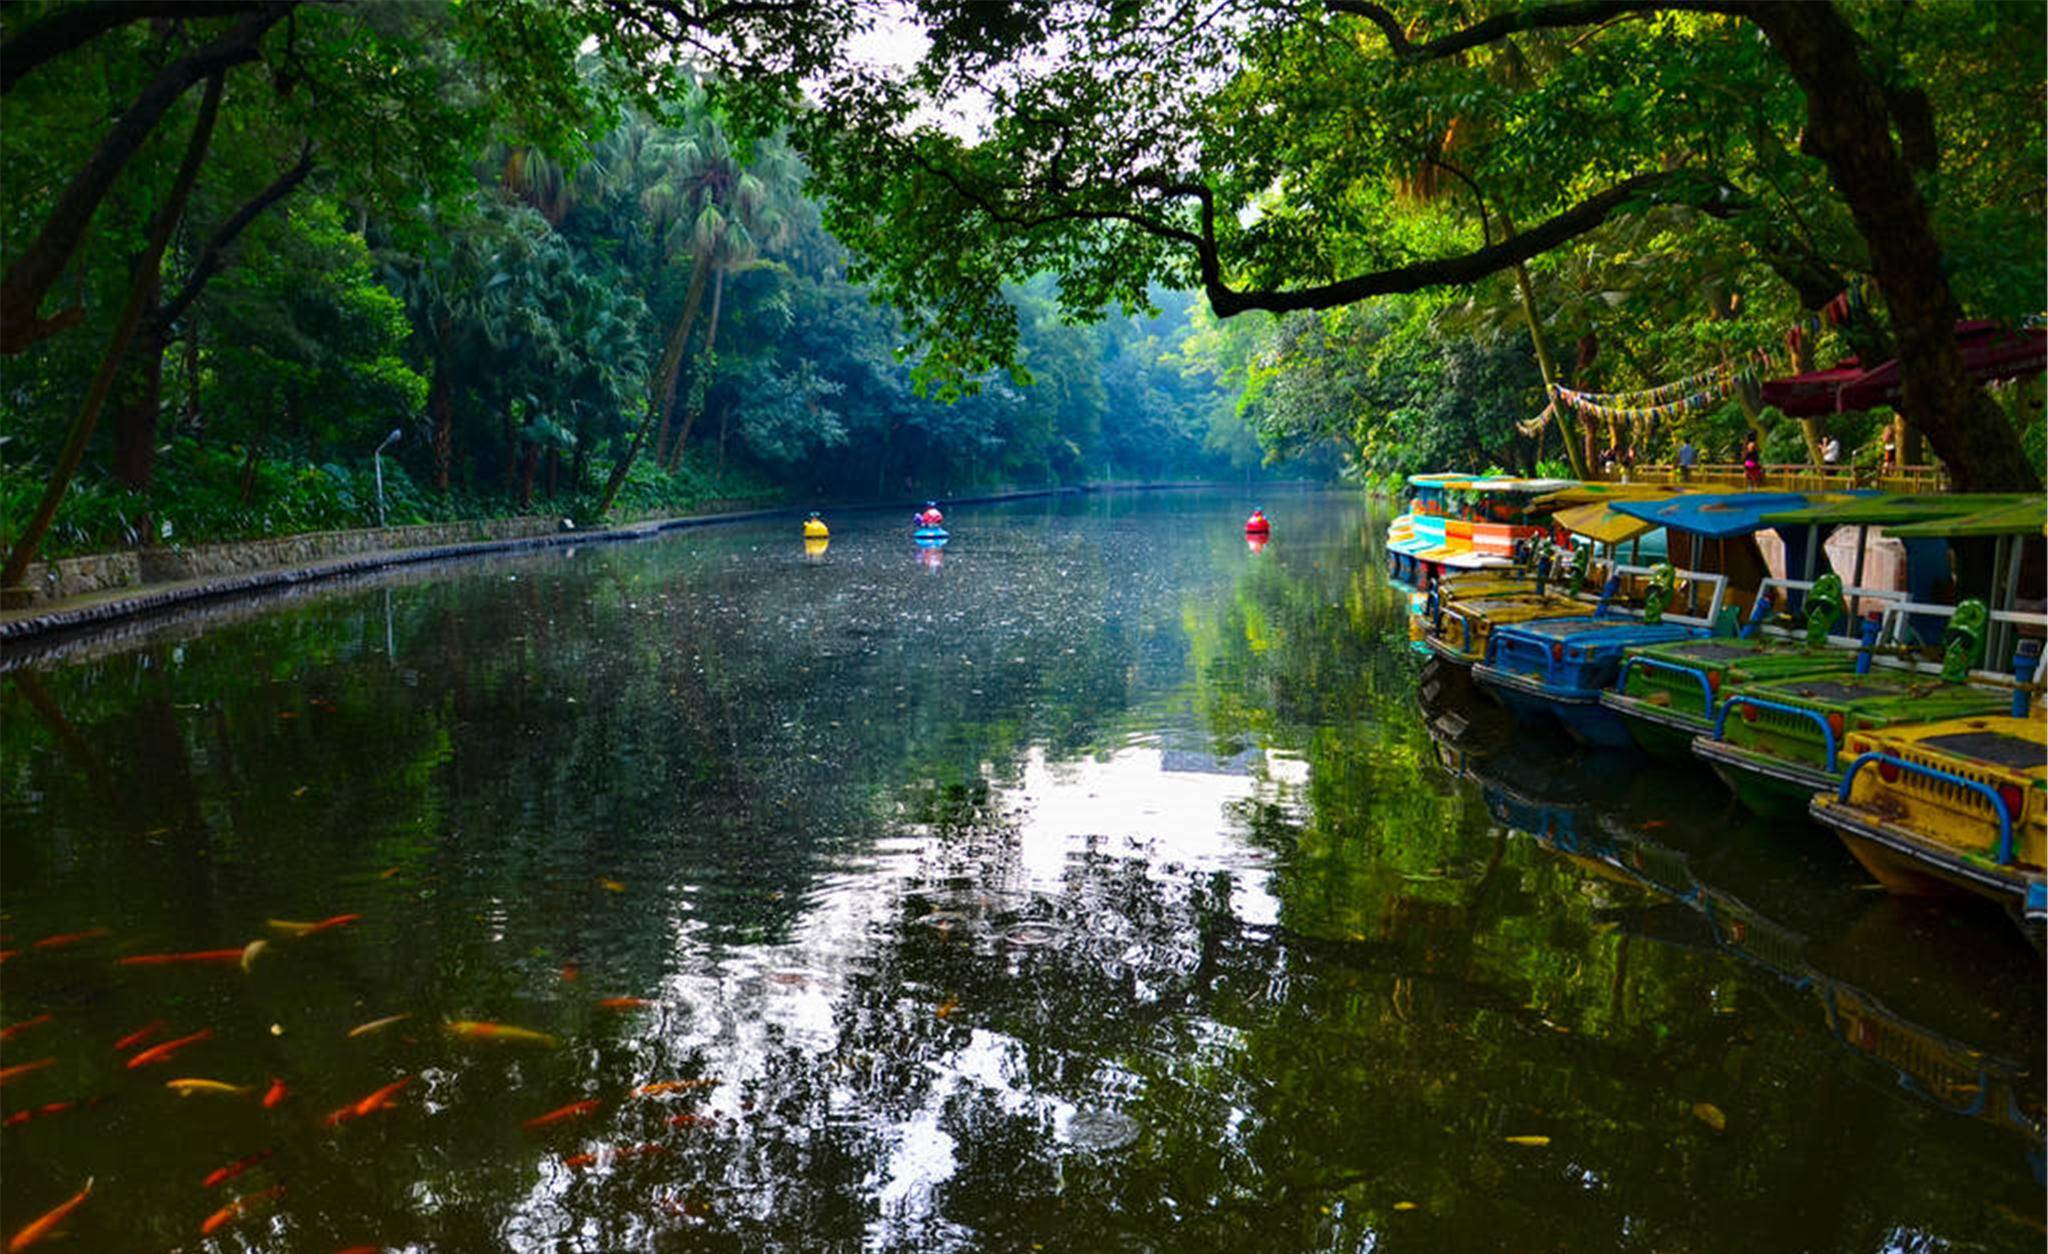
<point x="1094" y="884"/>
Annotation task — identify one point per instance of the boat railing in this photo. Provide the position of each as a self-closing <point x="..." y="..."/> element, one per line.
<point x="1749" y="706"/>
<point x="1900" y="643"/>
<point x="2002" y="856"/>
<point x="1850" y="596"/>
<point x="1691" y="581"/>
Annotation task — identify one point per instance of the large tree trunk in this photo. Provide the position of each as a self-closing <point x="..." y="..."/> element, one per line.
<point x="662" y="386"/>
<point x="138" y="402"/>
<point x="1849" y="128"/>
<point x="140" y="297"/>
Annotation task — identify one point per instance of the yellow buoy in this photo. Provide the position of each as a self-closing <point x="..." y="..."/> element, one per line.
<point x="815" y="529"/>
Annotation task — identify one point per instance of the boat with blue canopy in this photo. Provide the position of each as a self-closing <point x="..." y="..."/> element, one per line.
<point x="1797" y="627"/>
<point x="1558" y="668"/>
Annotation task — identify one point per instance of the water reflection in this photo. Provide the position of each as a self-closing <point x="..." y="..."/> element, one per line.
<point x="1108" y="892"/>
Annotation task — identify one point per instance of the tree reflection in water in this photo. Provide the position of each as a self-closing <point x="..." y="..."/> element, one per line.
<point x="1108" y="892"/>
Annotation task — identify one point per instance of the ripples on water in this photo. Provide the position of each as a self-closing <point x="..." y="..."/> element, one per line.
<point x="1101" y="886"/>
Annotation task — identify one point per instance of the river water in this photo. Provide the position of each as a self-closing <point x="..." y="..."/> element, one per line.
<point x="1094" y="883"/>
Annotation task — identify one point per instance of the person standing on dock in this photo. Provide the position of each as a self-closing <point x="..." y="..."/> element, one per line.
<point x="1752" y="463"/>
<point x="1688" y="457"/>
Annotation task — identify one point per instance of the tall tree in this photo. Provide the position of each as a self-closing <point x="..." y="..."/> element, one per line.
<point x="1261" y="158"/>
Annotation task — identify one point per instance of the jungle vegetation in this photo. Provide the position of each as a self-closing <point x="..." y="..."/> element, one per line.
<point x="618" y="255"/>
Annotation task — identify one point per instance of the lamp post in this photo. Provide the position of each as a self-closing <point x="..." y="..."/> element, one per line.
<point x="377" y="460"/>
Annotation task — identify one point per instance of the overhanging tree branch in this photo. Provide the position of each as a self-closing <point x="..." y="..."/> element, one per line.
<point x="1518" y="20"/>
<point x="214" y="254"/>
<point x="29" y="278"/>
<point x="73" y="28"/>
<point x="1578" y="220"/>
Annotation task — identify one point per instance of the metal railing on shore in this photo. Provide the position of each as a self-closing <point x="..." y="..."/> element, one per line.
<point x="1790" y="477"/>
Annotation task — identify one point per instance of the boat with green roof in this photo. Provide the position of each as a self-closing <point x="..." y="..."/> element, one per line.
<point x="1777" y="742"/>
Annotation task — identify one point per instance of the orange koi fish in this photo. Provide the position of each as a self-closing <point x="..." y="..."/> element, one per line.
<point x="139" y="1035"/>
<point x="691" y="1121"/>
<point x="21" y="1069"/>
<point x="623" y="1003"/>
<point x="474" y="1030"/>
<point x="188" y="1086"/>
<point x="369" y="1105"/>
<point x="573" y="1110"/>
<point x="236" y="1209"/>
<point x="623" y="1151"/>
<point x="361" y="1249"/>
<point x="40" y="1228"/>
<point x="165" y="1051"/>
<point x="673" y="1086"/>
<point x="295" y="929"/>
<point x="63" y="939"/>
<point x="5" y="954"/>
<point x="274" y="1096"/>
<point x="571" y="973"/>
<point x="377" y="1025"/>
<point x="7" y="1033"/>
<point x="35" y="1112"/>
<point x="221" y="1175"/>
<point x="164" y="960"/>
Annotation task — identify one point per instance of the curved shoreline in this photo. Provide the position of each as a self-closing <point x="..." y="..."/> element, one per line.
<point x="27" y="637"/>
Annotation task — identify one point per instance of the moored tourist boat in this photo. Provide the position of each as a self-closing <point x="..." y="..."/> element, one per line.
<point x="1960" y="804"/>
<point x="1777" y="742"/>
<point x="1457" y="619"/>
<point x="1559" y="667"/>
<point x="1459" y="523"/>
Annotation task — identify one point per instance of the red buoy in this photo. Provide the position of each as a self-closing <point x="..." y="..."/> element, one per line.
<point x="1257" y="524"/>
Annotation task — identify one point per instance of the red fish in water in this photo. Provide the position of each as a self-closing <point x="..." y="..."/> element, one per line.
<point x="360" y="1249"/>
<point x="236" y="1209"/>
<point x="571" y="973"/>
<point x="166" y="1051"/>
<point x="40" y="1228"/>
<point x="574" y="1110"/>
<point x="274" y="1096"/>
<point x="691" y="1121"/>
<point x="139" y="1035"/>
<point x="165" y="960"/>
<point x="36" y="1112"/>
<point x="7" y="1033"/>
<point x="221" y="1175"/>
<point x="5" y="954"/>
<point x="21" y="1069"/>
<point x="369" y="1105"/>
<point x="63" y="939"/>
<point x="623" y="1003"/>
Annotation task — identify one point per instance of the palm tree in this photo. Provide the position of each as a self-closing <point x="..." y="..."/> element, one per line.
<point x="702" y="202"/>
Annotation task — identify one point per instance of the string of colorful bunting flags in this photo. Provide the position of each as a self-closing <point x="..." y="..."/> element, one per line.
<point x="1666" y="400"/>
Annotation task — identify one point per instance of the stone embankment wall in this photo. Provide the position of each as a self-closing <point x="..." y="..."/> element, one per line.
<point x="103" y="572"/>
<point x="137" y="568"/>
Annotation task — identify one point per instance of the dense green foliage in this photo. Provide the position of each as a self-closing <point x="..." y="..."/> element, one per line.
<point x="639" y="255"/>
<point x="1684" y="181"/>
<point x="554" y="285"/>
